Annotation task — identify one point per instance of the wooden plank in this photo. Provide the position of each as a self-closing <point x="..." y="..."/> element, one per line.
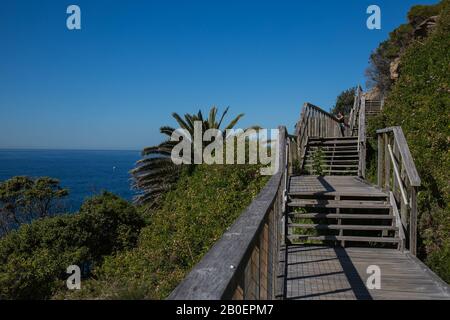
<point x="323" y="272"/>
<point x="407" y="159"/>
<point x="405" y="153"/>
<point x="387" y="165"/>
<point x="350" y="193"/>
<point x="413" y="222"/>
<point x="339" y="204"/>
<point x="380" y="161"/>
<point x="341" y="227"/>
<point x="334" y="138"/>
<point x="332" y="165"/>
<point x="346" y="156"/>
<point x="397" y="175"/>
<point x="332" y="148"/>
<point x="398" y="221"/>
<point x="341" y="143"/>
<point x="340" y="152"/>
<point x="345" y="238"/>
<point x="341" y="216"/>
<point x="334" y="160"/>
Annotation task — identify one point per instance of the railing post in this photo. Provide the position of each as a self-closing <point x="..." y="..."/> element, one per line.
<point x="387" y="164"/>
<point x="380" y="161"/>
<point x="413" y="222"/>
<point x="362" y="139"/>
<point x="406" y="180"/>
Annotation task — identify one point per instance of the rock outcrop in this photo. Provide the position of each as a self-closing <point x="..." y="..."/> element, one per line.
<point x="427" y="26"/>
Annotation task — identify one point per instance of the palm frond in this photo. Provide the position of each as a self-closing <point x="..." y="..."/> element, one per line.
<point x="200" y="116"/>
<point x="212" y="118"/>
<point x="222" y="117"/>
<point x="234" y="121"/>
<point x="167" y="130"/>
<point x="181" y="122"/>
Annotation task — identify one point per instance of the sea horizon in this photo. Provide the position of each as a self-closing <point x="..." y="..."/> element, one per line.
<point x="85" y="172"/>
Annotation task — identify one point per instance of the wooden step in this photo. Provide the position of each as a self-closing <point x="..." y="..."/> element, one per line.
<point x="329" y="146"/>
<point x="347" y="156"/>
<point x="334" y="165"/>
<point x="339" y="193"/>
<point x="358" y="216"/>
<point x="333" y="147"/>
<point x="314" y="150"/>
<point x="335" y="152"/>
<point x="344" y="238"/>
<point x="333" y="142"/>
<point x="342" y="227"/>
<point x="333" y="160"/>
<point x="339" y="204"/>
<point x="332" y="138"/>
<point x="336" y="172"/>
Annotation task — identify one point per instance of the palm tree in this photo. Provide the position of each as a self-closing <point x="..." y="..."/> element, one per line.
<point x="155" y="173"/>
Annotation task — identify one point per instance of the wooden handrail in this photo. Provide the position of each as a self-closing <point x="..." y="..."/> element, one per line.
<point x="398" y="221"/>
<point x="316" y="122"/>
<point x="396" y="166"/>
<point x="406" y="157"/>
<point x="397" y="175"/>
<point x="355" y="109"/>
<point x="362" y="138"/>
<point x="319" y="109"/>
<point x="243" y="263"/>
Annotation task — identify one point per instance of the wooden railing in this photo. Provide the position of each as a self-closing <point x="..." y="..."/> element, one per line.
<point x="374" y="107"/>
<point x="397" y="175"/>
<point x="294" y="165"/>
<point x="355" y="109"/>
<point x="362" y="137"/>
<point x="315" y="122"/>
<point x="243" y="263"/>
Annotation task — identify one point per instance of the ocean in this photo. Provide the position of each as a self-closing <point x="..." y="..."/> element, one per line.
<point x="84" y="172"/>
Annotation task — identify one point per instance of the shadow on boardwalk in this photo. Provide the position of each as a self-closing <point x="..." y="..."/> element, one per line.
<point x="333" y="273"/>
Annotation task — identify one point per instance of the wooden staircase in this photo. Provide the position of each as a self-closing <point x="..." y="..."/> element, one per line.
<point x="339" y="210"/>
<point x="333" y="155"/>
<point x="371" y="109"/>
<point x="330" y="202"/>
<point x="308" y="237"/>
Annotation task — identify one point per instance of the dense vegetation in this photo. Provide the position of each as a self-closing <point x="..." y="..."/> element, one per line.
<point x="126" y="251"/>
<point x="156" y="173"/>
<point x="23" y="199"/>
<point x="34" y="258"/>
<point x="419" y="102"/>
<point x="390" y="51"/>
<point x="193" y="216"/>
<point x="344" y="102"/>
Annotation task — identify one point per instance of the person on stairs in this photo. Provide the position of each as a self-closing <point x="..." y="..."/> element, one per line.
<point x="341" y="119"/>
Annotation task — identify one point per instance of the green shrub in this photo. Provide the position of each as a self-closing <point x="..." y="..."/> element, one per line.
<point x="379" y="72"/>
<point x="420" y="13"/>
<point x="419" y="103"/>
<point x="344" y="102"/>
<point x="318" y="162"/>
<point x="23" y="199"/>
<point x="193" y="217"/>
<point x="34" y="258"/>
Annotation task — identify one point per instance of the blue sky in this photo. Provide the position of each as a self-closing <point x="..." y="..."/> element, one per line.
<point x="112" y="84"/>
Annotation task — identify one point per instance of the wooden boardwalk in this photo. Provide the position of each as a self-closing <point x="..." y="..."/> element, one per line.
<point x="332" y="186"/>
<point x="328" y="271"/>
<point x="313" y="237"/>
<point x="333" y="273"/>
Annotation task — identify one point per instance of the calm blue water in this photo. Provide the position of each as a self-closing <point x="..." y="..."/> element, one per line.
<point x="84" y="173"/>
